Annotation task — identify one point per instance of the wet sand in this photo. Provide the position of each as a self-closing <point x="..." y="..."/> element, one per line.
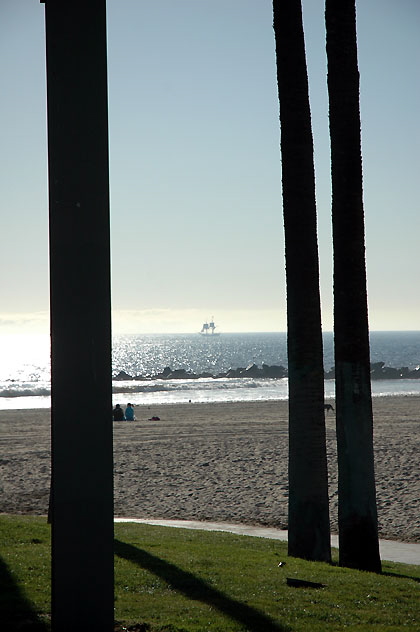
<point x="217" y="462"/>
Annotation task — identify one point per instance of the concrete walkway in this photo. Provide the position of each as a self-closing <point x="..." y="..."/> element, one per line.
<point x="408" y="553"/>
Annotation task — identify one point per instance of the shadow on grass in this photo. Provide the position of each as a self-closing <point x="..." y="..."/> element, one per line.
<point x="195" y="588"/>
<point x="387" y="573"/>
<point x="17" y="614"/>
<point x="401" y="576"/>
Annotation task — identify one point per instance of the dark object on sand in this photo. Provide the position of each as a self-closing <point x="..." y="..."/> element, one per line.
<point x="118" y="413"/>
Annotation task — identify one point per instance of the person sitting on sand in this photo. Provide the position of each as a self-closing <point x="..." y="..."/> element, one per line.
<point x="129" y="413"/>
<point x="118" y="413"/>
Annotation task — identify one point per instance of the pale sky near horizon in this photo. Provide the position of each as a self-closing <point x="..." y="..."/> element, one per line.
<point x="195" y="173"/>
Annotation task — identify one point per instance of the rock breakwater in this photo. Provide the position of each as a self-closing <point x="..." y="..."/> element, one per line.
<point x="378" y="371"/>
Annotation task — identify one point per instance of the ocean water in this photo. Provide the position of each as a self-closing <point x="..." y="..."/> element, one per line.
<point x="25" y="370"/>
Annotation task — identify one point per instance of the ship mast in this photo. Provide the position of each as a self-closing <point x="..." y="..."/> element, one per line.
<point x="212" y="326"/>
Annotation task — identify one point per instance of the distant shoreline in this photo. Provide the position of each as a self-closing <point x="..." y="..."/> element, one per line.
<point x="138" y="394"/>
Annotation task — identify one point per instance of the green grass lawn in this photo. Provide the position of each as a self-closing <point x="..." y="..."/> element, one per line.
<point x="179" y="580"/>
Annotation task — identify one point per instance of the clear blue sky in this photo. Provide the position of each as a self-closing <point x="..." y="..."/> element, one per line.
<point x="195" y="174"/>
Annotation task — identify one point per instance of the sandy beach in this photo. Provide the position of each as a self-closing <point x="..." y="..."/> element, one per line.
<point x="219" y="462"/>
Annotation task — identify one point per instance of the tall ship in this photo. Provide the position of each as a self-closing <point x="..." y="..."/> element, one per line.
<point x="208" y="329"/>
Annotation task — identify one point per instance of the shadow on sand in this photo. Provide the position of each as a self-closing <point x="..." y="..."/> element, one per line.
<point x="195" y="588"/>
